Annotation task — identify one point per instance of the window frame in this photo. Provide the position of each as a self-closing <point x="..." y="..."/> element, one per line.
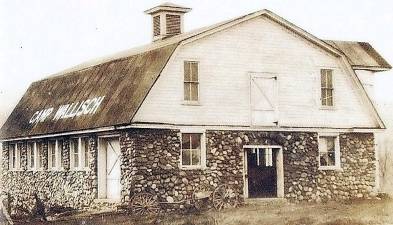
<point x="50" y="155"/>
<point x="202" y="164"/>
<point x="337" y="151"/>
<point x="81" y="154"/>
<point x="329" y="107"/>
<point x="11" y="156"/>
<point x="39" y="161"/>
<point x="29" y="155"/>
<point x="191" y="102"/>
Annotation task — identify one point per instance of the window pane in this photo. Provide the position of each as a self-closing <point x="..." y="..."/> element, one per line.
<point x="85" y="150"/>
<point x="196" y="157"/>
<point x="75" y="152"/>
<point x="330" y="144"/>
<point x="329" y="96"/>
<point x="194" y="91"/>
<point x="186" y="157"/>
<point x="329" y="79"/>
<point x="185" y="141"/>
<point x="60" y="152"/>
<point x="323" y="79"/>
<point x="40" y="158"/>
<point x="187" y="89"/>
<point x="323" y="159"/>
<point x="11" y="158"/>
<point x="194" y="71"/>
<point x="187" y="72"/>
<point x="52" y="153"/>
<point x="331" y="158"/>
<point x="195" y="141"/>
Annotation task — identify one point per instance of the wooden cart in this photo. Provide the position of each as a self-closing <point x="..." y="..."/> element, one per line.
<point x="222" y="197"/>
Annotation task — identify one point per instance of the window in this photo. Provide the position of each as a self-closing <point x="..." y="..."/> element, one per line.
<point x="12" y="156"/>
<point x="74" y="153"/>
<point x="192" y="150"/>
<point x="60" y="160"/>
<point x="52" y="163"/>
<point x="329" y="152"/>
<point x="327" y="87"/>
<point x="80" y="152"/>
<point x="85" y="151"/>
<point x="40" y="155"/>
<point x="191" y="83"/>
<point x="31" y="149"/>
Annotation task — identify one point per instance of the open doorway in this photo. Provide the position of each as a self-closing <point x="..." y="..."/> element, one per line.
<point x="263" y="172"/>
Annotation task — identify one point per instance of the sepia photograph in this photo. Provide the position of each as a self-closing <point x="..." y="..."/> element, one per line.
<point x="181" y="112"/>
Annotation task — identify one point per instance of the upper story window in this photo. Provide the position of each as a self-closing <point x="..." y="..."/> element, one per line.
<point x="79" y="153"/>
<point x="329" y="152"/>
<point x="192" y="150"/>
<point x="156" y="25"/>
<point x="327" y="87"/>
<point x="191" y="82"/>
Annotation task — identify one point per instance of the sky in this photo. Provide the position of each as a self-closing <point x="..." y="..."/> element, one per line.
<point x="43" y="37"/>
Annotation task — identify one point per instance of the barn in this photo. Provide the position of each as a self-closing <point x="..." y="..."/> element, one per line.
<point x="254" y="102"/>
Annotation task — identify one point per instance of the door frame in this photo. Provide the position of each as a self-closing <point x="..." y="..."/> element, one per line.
<point x="279" y="168"/>
<point x="101" y="167"/>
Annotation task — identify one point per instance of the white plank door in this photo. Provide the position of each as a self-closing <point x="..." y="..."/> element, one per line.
<point x="113" y="154"/>
<point x="264" y="99"/>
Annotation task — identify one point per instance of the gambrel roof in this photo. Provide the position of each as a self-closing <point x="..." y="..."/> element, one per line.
<point x="123" y="81"/>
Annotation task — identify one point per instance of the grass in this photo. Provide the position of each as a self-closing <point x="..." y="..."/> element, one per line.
<point x="332" y="213"/>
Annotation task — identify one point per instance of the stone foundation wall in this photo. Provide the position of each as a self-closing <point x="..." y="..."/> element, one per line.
<point x="151" y="162"/>
<point x="73" y="188"/>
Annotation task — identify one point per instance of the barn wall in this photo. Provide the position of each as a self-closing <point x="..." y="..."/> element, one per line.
<point x="75" y="189"/>
<point x="151" y="164"/>
<point x="258" y="45"/>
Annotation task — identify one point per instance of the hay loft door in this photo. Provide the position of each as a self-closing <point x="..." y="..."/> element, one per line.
<point x="264" y="99"/>
<point x="109" y="169"/>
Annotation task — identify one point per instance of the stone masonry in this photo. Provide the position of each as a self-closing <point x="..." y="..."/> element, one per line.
<point x="150" y="162"/>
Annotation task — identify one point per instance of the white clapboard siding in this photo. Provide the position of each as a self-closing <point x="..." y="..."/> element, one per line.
<point x="367" y="79"/>
<point x="226" y="59"/>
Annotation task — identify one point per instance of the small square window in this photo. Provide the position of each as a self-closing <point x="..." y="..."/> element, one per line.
<point x="192" y="152"/>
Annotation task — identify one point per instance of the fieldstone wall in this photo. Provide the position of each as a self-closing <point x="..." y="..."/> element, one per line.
<point x="357" y="177"/>
<point x="151" y="162"/>
<point x="63" y="187"/>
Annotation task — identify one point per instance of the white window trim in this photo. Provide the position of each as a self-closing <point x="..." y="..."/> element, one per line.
<point x="203" y="149"/>
<point x="337" y="149"/>
<point x="37" y="158"/>
<point x="81" y="154"/>
<point x="319" y="92"/>
<point x="50" y="166"/>
<point x="59" y="156"/>
<point x="17" y="165"/>
<point x="11" y="164"/>
<point x="28" y="156"/>
<point x="191" y="102"/>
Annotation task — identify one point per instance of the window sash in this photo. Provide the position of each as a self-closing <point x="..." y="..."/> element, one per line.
<point x="328" y="155"/>
<point x="31" y="148"/>
<point x="191" y="149"/>
<point x="327" y="87"/>
<point x="191" y="81"/>
<point x="12" y="156"/>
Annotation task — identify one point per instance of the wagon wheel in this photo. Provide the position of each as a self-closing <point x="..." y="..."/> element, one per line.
<point x="201" y="195"/>
<point x="224" y="197"/>
<point x="145" y="204"/>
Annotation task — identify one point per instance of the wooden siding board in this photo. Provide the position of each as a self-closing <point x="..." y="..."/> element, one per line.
<point x="124" y="83"/>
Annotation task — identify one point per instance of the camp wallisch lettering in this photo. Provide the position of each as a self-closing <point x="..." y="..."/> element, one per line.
<point x="72" y="110"/>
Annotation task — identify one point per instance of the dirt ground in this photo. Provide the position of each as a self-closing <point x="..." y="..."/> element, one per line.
<point x="372" y="212"/>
